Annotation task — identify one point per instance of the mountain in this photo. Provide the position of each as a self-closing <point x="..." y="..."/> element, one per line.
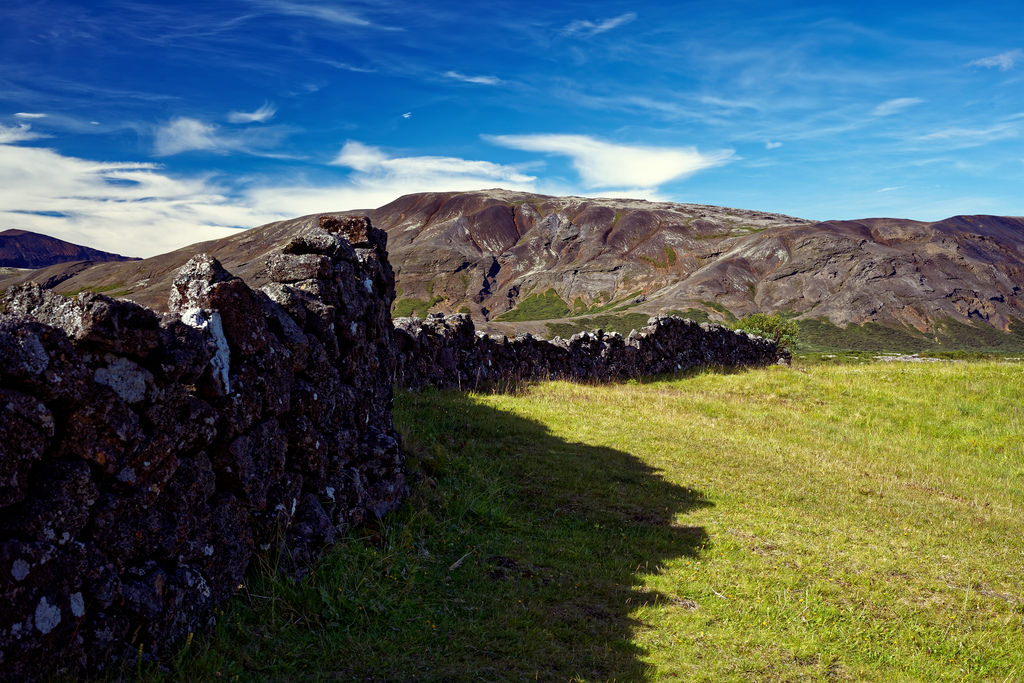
<point x="24" y="249"/>
<point x="519" y="261"/>
<point x="494" y="251"/>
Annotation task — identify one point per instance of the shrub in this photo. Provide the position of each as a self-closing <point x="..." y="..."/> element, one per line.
<point x="780" y="330"/>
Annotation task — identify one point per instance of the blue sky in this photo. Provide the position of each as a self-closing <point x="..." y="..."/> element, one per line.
<point x="144" y="126"/>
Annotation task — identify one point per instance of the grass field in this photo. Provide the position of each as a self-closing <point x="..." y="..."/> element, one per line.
<point x="850" y="522"/>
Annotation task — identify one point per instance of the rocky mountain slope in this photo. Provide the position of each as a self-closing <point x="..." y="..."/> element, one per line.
<point x="515" y="259"/>
<point x="491" y="251"/>
<point x="24" y="249"/>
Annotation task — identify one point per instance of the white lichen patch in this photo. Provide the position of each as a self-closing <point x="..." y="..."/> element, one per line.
<point x="19" y="569"/>
<point x="126" y="378"/>
<point x="77" y="604"/>
<point x="202" y="319"/>
<point x="34" y="355"/>
<point x="47" y="616"/>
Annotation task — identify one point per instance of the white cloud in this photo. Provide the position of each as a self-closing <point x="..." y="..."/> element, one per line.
<point x="19" y="133"/>
<point x="895" y="105"/>
<point x="1004" y="61"/>
<point x="407" y="115"/>
<point x="29" y="115"/>
<point x="360" y="157"/>
<point x="602" y="164"/>
<point x="261" y="115"/>
<point x="769" y="144"/>
<point x="585" y="27"/>
<point x="378" y="178"/>
<point x="372" y="160"/>
<point x="126" y="207"/>
<point x="478" y="80"/>
<point x="184" y="134"/>
<point x="651" y="194"/>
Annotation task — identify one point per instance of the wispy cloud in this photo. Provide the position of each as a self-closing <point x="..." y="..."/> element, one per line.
<point x="29" y="115"/>
<point x="332" y="15"/>
<point x="585" y="27"/>
<point x="960" y="138"/>
<point x="261" y="115"/>
<point x="343" y="66"/>
<point x="724" y="103"/>
<point x="125" y="207"/>
<point x="185" y="134"/>
<point x="893" y="106"/>
<point x="603" y="164"/>
<point x="1004" y="61"/>
<point x="771" y="144"/>
<point x="478" y="80"/>
<point x="19" y="133"/>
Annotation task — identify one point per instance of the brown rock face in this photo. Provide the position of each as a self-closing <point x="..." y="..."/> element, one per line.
<point x="488" y="251"/>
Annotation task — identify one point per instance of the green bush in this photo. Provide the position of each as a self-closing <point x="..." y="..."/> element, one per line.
<point x="780" y="330"/>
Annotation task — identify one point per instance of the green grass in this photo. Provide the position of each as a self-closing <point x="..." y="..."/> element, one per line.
<point x="621" y="323"/>
<point x="857" y="522"/>
<point x="950" y="336"/>
<point x="615" y="305"/>
<point x="550" y="306"/>
<point x="403" y="308"/>
<point x="695" y="314"/>
<point x="537" y="307"/>
<point x="670" y="259"/>
<point x="114" y="290"/>
<point x="726" y="313"/>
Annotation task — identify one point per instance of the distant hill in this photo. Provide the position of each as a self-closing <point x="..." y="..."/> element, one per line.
<point x="24" y="249"/>
<point x="525" y="262"/>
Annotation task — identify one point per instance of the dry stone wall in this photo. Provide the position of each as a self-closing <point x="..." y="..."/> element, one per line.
<point x="446" y="351"/>
<point x="146" y="458"/>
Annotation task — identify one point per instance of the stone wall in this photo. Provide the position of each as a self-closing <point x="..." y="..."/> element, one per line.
<point x="445" y="351"/>
<point x="146" y="458"/>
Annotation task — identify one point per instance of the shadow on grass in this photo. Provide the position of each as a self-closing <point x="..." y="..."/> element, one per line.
<point x="519" y="556"/>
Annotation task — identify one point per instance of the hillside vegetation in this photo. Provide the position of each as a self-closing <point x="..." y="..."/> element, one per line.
<point x="851" y="522"/>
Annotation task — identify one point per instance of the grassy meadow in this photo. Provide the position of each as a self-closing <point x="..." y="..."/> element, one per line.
<point x="849" y="522"/>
